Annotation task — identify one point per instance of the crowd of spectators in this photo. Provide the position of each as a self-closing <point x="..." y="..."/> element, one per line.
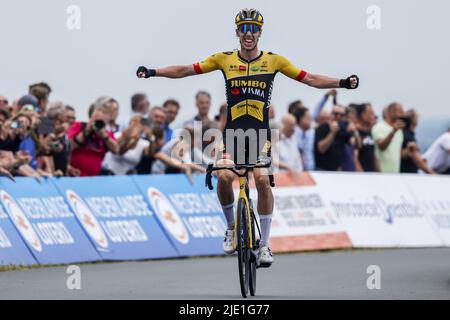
<point x="39" y="137"/>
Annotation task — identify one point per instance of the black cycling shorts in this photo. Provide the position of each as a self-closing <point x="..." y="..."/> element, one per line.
<point x="244" y="148"/>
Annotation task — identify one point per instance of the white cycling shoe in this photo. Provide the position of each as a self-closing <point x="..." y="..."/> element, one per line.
<point x="228" y="246"/>
<point x="265" y="257"/>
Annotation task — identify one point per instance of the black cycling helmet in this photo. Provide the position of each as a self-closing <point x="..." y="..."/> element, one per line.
<point x="252" y="16"/>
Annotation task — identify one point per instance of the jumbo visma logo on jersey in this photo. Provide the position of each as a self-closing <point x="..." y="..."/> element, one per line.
<point x="256" y="89"/>
<point x="249" y="87"/>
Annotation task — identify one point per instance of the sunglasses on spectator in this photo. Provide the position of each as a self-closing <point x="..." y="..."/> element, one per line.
<point x="339" y="114"/>
<point x="253" y="28"/>
<point x="4" y="101"/>
<point x="28" y="107"/>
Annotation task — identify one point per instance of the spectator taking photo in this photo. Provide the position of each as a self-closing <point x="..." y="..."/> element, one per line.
<point x="91" y="141"/>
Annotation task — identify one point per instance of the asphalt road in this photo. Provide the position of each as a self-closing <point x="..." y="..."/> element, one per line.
<point x="404" y="274"/>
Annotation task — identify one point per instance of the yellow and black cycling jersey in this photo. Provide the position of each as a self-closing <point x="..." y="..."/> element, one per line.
<point x="249" y="85"/>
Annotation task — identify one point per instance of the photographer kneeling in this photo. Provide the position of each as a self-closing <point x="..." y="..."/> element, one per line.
<point x="90" y="142"/>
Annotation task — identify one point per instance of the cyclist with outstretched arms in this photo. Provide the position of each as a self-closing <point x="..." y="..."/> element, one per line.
<point x="249" y="74"/>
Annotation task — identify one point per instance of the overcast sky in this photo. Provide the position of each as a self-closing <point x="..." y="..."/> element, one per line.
<point x="407" y="60"/>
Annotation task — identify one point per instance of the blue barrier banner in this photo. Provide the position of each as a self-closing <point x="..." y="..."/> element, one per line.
<point x="190" y="213"/>
<point x="45" y="221"/>
<point x="116" y="217"/>
<point x="13" y="251"/>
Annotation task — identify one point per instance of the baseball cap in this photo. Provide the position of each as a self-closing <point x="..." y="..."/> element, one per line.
<point x="29" y="100"/>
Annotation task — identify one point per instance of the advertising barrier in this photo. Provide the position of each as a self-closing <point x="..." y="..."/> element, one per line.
<point x="432" y="194"/>
<point x="302" y="219"/>
<point x="65" y="220"/>
<point x="190" y="214"/>
<point x="377" y="210"/>
<point x="13" y="250"/>
<point x="45" y="222"/>
<point x="116" y="217"/>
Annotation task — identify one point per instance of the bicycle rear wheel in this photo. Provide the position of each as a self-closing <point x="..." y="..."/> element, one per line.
<point x="243" y="248"/>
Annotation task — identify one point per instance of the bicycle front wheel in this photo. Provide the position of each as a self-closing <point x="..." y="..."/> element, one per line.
<point x="243" y="247"/>
<point x="253" y="258"/>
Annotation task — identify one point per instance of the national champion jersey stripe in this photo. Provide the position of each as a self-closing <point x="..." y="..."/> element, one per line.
<point x="197" y="68"/>
<point x="301" y="75"/>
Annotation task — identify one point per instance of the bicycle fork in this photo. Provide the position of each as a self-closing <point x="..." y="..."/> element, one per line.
<point x="243" y="194"/>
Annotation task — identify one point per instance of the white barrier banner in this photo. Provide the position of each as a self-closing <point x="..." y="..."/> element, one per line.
<point x="433" y="196"/>
<point x="302" y="211"/>
<point x="377" y="210"/>
<point x="302" y="218"/>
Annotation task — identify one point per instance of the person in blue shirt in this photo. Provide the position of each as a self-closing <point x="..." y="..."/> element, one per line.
<point x="29" y="146"/>
<point x="22" y="129"/>
<point x="20" y="138"/>
<point x="171" y="108"/>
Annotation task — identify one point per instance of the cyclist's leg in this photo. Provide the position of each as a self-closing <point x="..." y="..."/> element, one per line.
<point x="225" y="182"/>
<point x="225" y="191"/>
<point x="265" y="209"/>
<point x="226" y="198"/>
<point x="265" y="203"/>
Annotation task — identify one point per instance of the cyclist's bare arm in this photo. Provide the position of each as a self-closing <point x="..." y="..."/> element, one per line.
<point x="180" y="71"/>
<point x="320" y="82"/>
<point x="315" y="80"/>
<point x="175" y="72"/>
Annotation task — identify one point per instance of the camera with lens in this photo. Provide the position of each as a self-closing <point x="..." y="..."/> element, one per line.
<point x="146" y="122"/>
<point x="343" y="124"/>
<point x="407" y="120"/>
<point x="54" y="144"/>
<point x="99" y="124"/>
<point x="15" y="125"/>
<point x="343" y="129"/>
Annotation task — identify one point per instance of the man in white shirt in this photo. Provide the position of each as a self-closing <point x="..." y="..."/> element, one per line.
<point x="287" y="147"/>
<point x="438" y="154"/>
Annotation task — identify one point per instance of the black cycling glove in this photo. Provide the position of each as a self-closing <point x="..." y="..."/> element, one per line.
<point x="148" y="72"/>
<point x="346" y="83"/>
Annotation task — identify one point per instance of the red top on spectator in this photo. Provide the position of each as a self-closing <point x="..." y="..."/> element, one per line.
<point x="88" y="157"/>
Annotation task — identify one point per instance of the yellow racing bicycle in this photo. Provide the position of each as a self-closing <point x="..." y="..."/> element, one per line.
<point x="245" y="241"/>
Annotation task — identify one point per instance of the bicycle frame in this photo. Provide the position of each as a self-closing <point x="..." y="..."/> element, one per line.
<point x="243" y="188"/>
<point x="243" y="194"/>
<point x="247" y="257"/>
